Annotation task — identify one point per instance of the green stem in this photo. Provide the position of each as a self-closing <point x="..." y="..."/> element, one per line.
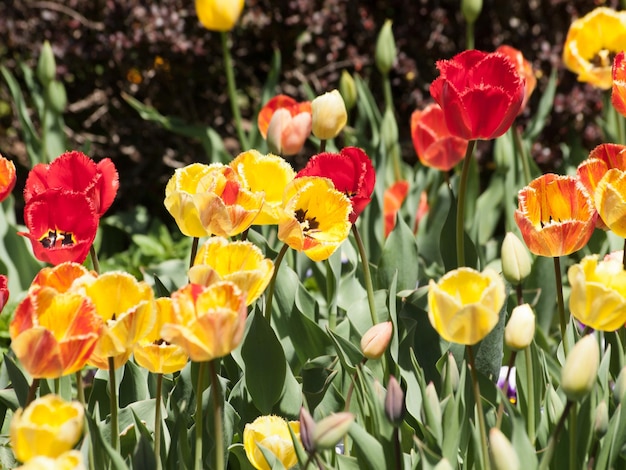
<point x="479" y="410"/>
<point x="232" y="91"/>
<point x="387" y="91"/>
<point x="521" y="151"/>
<point x="469" y="36"/>
<point x="530" y="412"/>
<point x="32" y="391"/>
<point x="198" y="417"/>
<point x="397" y="448"/>
<point x="322" y="145"/>
<point x="549" y="451"/>
<point x="57" y="386"/>
<point x="44" y="131"/>
<point x="194" y="251"/>
<point x="94" y="259"/>
<point x="157" y="421"/>
<point x="217" y="416"/>
<point x="115" y="432"/>
<point x="460" y="210"/>
<point x="369" y="287"/>
<point x="331" y="296"/>
<point x="270" y="288"/>
<point x="80" y="390"/>
<point x="561" y="303"/>
<point x="572" y="439"/>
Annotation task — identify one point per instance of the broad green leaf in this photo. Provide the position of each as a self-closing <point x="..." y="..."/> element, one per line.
<point x="102" y="450"/>
<point x="367" y="449"/>
<point x="18" y="379"/>
<point x="400" y="257"/>
<point x="348" y="353"/>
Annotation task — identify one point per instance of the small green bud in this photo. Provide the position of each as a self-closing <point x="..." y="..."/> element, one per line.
<point x="516" y="263"/>
<point x="471" y="9"/>
<point x="503" y="455"/>
<point x="329" y="431"/>
<point x="56" y="96"/>
<point x="46" y="65"/>
<point x="620" y="386"/>
<point x="347" y="88"/>
<point x="394" y="402"/>
<point x="581" y="368"/>
<point x="520" y="329"/>
<point x="554" y="405"/>
<point x="385" y="49"/>
<point x="601" y="420"/>
<point x="450" y="376"/>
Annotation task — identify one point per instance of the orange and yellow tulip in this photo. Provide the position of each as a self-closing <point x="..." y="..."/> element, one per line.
<point x="393" y="198"/>
<point x="239" y="262"/>
<point x="555" y="215"/>
<point x="8" y="177"/>
<point x="590" y="43"/>
<point x="316" y="217"/>
<point x="618" y="91"/>
<point x="208" y="322"/>
<point x="610" y="200"/>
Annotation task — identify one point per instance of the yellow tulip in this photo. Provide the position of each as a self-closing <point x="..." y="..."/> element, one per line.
<point x="210" y="200"/>
<point x="208" y="322"/>
<point x="610" y="200"/>
<point x="153" y="352"/>
<point x="464" y="306"/>
<point x="598" y="297"/>
<point x="591" y="42"/>
<point x="316" y="217"/>
<point x="239" y="262"/>
<point x="268" y="174"/>
<point x="70" y="460"/>
<point x="329" y="115"/>
<point x="219" y="15"/>
<point x="580" y="370"/>
<point x="48" y="427"/>
<point x="127" y="308"/>
<point x="272" y="432"/>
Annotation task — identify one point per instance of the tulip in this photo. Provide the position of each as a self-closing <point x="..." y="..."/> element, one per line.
<point x="54" y="334"/>
<point x="8" y="177"/>
<point x="268" y="174"/>
<point x="219" y="15"/>
<point x="239" y="262"/>
<point x="601" y="420"/>
<point x="516" y="262"/>
<point x="329" y="115"/>
<point x="287" y="134"/>
<point x="271" y="432"/>
<point x="395" y="407"/>
<point x="348" y="90"/>
<point x="70" y="460"/>
<point x="581" y="368"/>
<point x="375" y="340"/>
<point x="208" y="322"/>
<point x="330" y="430"/>
<point x="555" y="215"/>
<point x="156" y="354"/>
<point x="471" y="9"/>
<point x="434" y="144"/>
<point x="316" y="217"/>
<point x="520" y="329"/>
<point x="47" y="427"/>
<point x="210" y="200"/>
<point x="464" y="306"/>
<point x="503" y="453"/>
<point x="618" y="91"/>
<point x="610" y="201"/>
<point x="393" y="198"/>
<point x="598" y="296"/>
<point x="473" y="81"/>
<point x="61" y="277"/>
<point x="590" y="42"/>
<point x="46" y="65"/>
<point x="524" y="69"/>
<point x="4" y="291"/>
<point x="307" y="426"/>
<point x="351" y="172"/>
<point x="386" y="52"/>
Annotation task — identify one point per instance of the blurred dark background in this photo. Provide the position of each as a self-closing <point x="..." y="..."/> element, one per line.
<point x="159" y="53"/>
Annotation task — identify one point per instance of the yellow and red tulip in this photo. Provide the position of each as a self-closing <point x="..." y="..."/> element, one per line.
<point x="8" y="177"/>
<point x="285" y="123"/>
<point x="610" y="201"/>
<point x="555" y="215"/>
<point x="618" y="91"/>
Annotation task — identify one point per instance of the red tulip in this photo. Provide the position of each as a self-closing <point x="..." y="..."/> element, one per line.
<point x="75" y="171"/>
<point x="524" y="68"/>
<point x="480" y="93"/>
<point x="618" y="92"/>
<point x="351" y="172"/>
<point x="4" y="291"/>
<point x="435" y="146"/>
<point x="61" y="224"/>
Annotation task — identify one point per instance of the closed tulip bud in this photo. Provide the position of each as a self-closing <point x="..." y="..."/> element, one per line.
<point x="389" y="129"/>
<point x="219" y="15"/>
<point x="329" y="431"/>
<point x="46" y="65"/>
<point x="503" y="455"/>
<point x="375" y="341"/>
<point x="385" y="49"/>
<point x="329" y="115"/>
<point x="56" y="96"/>
<point x="581" y="368"/>
<point x="520" y="329"/>
<point x="601" y="420"/>
<point x="620" y="386"/>
<point x="554" y="404"/>
<point x="394" y="402"/>
<point x="471" y="9"/>
<point x="348" y="90"/>
<point x="307" y="427"/>
<point x="450" y="376"/>
<point x="516" y="263"/>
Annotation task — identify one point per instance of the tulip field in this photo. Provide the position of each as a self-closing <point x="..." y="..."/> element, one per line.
<point x="305" y="296"/>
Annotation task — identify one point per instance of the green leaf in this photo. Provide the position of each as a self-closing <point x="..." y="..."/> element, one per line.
<point x="18" y="379"/>
<point x="400" y="257"/>
<point x="489" y="350"/>
<point x="348" y="353"/>
<point x="537" y="123"/>
<point x="368" y="450"/>
<point x="240" y="454"/>
<point x="102" y="450"/>
<point x="265" y="364"/>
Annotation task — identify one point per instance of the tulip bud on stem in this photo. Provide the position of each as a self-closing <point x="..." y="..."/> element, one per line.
<point x="479" y="409"/>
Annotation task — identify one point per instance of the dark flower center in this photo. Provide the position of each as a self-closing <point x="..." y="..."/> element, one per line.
<point x="53" y="237"/>
<point x="312" y="223"/>
<point x="604" y="58"/>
